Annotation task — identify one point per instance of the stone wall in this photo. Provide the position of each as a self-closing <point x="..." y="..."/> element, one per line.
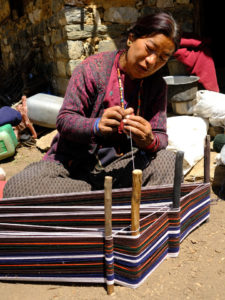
<point x="64" y="32"/>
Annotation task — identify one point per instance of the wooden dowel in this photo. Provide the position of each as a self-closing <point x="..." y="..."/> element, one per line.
<point x="110" y="289"/>
<point x="207" y="159"/>
<point x="108" y="205"/>
<point x="135" y="201"/>
<point x="108" y="224"/>
<point x="178" y="178"/>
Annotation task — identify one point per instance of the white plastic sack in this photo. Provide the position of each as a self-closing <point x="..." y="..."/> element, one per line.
<point x="187" y="134"/>
<point x="210" y="105"/>
<point x="220" y="158"/>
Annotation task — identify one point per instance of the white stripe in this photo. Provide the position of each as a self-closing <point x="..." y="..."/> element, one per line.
<point x="145" y="209"/>
<point x="55" y="279"/>
<point x="192" y="228"/>
<point x="134" y="286"/>
<point x="31" y="234"/>
<point x="193" y="209"/>
<point x="53" y="257"/>
<point x="133" y="260"/>
<point x="49" y="227"/>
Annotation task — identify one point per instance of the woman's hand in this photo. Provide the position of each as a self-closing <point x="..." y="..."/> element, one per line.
<point x="140" y="129"/>
<point x="111" y="119"/>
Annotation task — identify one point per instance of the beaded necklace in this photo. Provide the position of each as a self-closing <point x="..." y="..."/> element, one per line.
<point x="120" y="88"/>
<point x="139" y="99"/>
<point x="122" y="93"/>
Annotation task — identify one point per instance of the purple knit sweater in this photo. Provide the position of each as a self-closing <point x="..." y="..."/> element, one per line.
<point x="83" y="104"/>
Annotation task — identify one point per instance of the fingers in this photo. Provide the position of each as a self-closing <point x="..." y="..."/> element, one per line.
<point x="128" y="111"/>
<point x="140" y="129"/>
<point x="137" y="125"/>
<point x="111" y="119"/>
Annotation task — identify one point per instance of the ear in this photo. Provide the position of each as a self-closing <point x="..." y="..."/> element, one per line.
<point x="130" y="39"/>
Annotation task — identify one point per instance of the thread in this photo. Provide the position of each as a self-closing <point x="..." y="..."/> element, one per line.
<point x="132" y="150"/>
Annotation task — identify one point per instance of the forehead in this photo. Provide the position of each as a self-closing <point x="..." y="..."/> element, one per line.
<point x="161" y="43"/>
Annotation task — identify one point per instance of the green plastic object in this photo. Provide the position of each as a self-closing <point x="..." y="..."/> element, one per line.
<point x="8" y="141"/>
<point x="218" y="142"/>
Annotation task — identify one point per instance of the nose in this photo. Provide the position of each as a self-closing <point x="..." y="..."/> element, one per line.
<point x="151" y="59"/>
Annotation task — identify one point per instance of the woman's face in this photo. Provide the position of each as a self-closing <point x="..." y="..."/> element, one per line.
<point x="147" y="55"/>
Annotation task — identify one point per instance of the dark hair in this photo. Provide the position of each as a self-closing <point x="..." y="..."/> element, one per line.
<point x="160" y="22"/>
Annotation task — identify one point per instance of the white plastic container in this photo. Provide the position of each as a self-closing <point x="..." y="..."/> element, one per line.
<point x="43" y="109"/>
<point x="8" y="141"/>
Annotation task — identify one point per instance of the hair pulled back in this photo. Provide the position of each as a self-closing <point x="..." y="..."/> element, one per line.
<point x="156" y="23"/>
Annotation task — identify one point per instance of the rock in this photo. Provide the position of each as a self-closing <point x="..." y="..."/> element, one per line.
<point x="122" y="15"/>
<point x="72" y="64"/>
<point x="44" y="142"/>
<point x="182" y="1"/>
<point x="75" y="49"/>
<point x="106" y="45"/>
<point x="61" y="68"/>
<point x="197" y="172"/>
<point x="75" y="15"/>
<point x="164" y="3"/>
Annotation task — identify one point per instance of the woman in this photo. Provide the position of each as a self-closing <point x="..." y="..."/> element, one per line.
<point x="113" y="119"/>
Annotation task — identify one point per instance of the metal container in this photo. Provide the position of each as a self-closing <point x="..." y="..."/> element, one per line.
<point x="181" y="88"/>
<point x="183" y="107"/>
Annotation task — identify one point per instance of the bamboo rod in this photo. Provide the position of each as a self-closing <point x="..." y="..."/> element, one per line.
<point x="108" y="224"/>
<point x="108" y="205"/>
<point x="135" y="201"/>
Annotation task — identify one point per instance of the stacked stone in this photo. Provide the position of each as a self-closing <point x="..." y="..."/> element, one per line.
<point x="67" y="31"/>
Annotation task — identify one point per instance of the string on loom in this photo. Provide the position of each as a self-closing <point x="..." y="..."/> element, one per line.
<point x="123" y="105"/>
<point x="132" y="151"/>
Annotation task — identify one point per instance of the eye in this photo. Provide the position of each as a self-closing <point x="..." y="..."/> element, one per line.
<point x="163" y="58"/>
<point x="149" y="49"/>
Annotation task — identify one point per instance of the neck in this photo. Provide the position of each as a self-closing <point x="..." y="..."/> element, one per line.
<point x="123" y="63"/>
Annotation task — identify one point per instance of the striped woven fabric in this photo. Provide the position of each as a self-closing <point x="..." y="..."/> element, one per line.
<point x="61" y="237"/>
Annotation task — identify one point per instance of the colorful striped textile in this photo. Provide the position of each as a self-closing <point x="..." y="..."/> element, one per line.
<point x="61" y="237"/>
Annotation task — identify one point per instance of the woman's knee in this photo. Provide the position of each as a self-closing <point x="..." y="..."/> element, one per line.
<point x="37" y="178"/>
<point x="161" y="169"/>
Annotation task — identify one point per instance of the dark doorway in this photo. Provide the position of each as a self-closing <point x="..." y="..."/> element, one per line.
<point x="212" y="27"/>
<point x="16" y="6"/>
<point x="212" y="16"/>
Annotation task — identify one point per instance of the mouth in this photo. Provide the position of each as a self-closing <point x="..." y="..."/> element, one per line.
<point x="143" y="69"/>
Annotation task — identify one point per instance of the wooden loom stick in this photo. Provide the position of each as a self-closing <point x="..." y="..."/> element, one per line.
<point x="177" y="179"/>
<point x="108" y="222"/>
<point x="207" y="159"/>
<point x="135" y="201"/>
<point x="108" y="205"/>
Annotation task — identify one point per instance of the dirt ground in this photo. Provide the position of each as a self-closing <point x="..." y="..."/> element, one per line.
<point x="197" y="273"/>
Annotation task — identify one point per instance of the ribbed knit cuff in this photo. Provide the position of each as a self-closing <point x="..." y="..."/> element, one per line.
<point x="96" y="128"/>
<point x="154" y="144"/>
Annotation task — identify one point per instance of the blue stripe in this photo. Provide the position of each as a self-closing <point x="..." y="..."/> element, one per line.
<point x="139" y="279"/>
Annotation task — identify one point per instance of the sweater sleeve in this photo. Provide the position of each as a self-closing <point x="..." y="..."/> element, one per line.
<point x="74" y="121"/>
